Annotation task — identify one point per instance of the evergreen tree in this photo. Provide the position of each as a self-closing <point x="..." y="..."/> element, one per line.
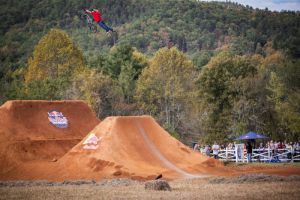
<point x="125" y="64"/>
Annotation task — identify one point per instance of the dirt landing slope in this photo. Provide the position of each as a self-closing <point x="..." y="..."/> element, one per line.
<point x="134" y="147"/>
<point x="26" y="134"/>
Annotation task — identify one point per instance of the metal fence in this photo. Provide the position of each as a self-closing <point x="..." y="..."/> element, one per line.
<point x="260" y="155"/>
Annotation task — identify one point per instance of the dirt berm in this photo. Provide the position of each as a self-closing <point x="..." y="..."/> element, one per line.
<point x="27" y="136"/>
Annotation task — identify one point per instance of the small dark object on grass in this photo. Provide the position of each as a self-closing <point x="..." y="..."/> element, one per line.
<point x="158" y="177"/>
<point x="157" y="185"/>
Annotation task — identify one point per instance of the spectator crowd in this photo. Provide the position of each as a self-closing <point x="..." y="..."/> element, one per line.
<point x="276" y="149"/>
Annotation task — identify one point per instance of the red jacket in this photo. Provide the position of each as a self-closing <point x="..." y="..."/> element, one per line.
<point x="97" y="16"/>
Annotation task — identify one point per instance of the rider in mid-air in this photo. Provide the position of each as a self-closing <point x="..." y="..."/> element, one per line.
<point x="98" y="18"/>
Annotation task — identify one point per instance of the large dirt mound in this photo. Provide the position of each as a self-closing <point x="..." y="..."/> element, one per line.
<point x="27" y="135"/>
<point x="135" y="147"/>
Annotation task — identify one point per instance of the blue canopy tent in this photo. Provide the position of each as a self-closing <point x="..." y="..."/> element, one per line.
<point x="251" y="136"/>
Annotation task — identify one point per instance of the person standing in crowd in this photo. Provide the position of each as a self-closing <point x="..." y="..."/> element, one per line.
<point x="215" y="149"/>
<point x="249" y="151"/>
<point x="296" y="148"/>
<point x="261" y="149"/>
<point x="229" y="146"/>
<point x="272" y="149"/>
<point x="281" y="149"/>
<point x="207" y="150"/>
<point x="289" y="148"/>
<point x="276" y="144"/>
<point x="202" y="149"/>
<point x="240" y="151"/>
<point x="196" y="147"/>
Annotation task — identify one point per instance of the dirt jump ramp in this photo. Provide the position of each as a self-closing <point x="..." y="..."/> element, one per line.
<point x="132" y="147"/>
<point x="27" y="136"/>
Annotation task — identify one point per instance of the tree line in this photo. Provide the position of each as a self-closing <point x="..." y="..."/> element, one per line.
<point x="204" y="70"/>
<point x="230" y="95"/>
<point x="196" y="28"/>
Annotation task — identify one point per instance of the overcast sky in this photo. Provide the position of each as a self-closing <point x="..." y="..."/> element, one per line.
<point x="277" y="5"/>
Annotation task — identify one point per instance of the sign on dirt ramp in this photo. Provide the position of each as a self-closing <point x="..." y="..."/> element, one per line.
<point x="57" y="119"/>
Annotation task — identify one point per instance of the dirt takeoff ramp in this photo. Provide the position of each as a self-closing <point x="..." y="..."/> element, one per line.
<point x="133" y="147"/>
<point x="28" y="136"/>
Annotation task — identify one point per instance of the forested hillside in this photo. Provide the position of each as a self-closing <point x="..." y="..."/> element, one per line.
<point x="203" y="70"/>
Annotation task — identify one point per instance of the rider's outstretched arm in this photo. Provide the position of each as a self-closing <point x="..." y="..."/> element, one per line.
<point x="88" y="11"/>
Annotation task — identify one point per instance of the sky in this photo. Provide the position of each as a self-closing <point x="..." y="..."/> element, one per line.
<point x="274" y="5"/>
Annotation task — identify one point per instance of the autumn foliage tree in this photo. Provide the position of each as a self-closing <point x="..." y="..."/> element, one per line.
<point x="54" y="63"/>
<point x="220" y="87"/>
<point x="165" y="88"/>
<point x="284" y="96"/>
<point x="99" y="90"/>
<point x="249" y="93"/>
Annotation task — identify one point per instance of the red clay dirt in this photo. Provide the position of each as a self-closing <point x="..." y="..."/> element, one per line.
<point x="127" y="147"/>
<point x="26" y="134"/>
<point x="131" y="147"/>
<point x="135" y="147"/>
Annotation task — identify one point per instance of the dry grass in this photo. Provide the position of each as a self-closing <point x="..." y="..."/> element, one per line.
<point x="254" y="178"/>
<point x="181" y="189"/>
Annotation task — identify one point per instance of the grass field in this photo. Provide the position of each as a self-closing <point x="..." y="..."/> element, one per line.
<point x="213" y="188"/>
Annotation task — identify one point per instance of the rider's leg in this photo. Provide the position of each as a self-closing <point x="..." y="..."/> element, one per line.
<point x="105" y="27"/>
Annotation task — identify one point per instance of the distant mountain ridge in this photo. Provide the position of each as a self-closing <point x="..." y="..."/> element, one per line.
<point x="148" y="25"/>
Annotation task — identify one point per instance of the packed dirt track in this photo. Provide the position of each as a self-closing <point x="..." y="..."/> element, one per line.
<point x="134" y="147"/>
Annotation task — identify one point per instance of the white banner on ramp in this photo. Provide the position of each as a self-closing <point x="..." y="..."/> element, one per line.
<point x="91" y="142"/>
